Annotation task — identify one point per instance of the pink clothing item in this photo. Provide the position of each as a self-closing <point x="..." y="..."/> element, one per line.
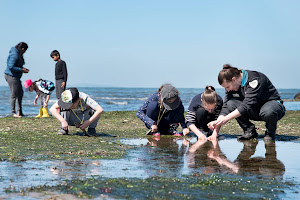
<point x="27" y="84"/>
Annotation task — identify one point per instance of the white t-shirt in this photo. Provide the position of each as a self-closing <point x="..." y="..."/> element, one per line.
<point x="87" y="102"/>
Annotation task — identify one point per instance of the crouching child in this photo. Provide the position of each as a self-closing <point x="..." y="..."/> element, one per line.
<point x="43" y="89"/>
<point x="77" y="109"/>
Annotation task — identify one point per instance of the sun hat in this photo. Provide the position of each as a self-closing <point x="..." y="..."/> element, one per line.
<point x="68" y="97"/>
<point x="168" y="92"/>
<point x="27" y="84"/>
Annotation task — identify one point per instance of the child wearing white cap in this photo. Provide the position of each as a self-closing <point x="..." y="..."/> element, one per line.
<point x="79" y="110"/>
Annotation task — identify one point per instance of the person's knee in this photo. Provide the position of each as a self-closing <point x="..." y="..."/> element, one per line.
<point x="269" y="114"/>
<point x="232" y="105"/>
<point x="200" y="113"/>
<point x="152" y="110"/>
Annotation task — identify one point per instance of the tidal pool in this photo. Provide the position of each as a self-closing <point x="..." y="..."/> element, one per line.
<point x="249" y="162"/>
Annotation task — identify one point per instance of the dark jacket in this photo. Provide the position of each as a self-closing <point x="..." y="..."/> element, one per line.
<point x="256" y="91"/>
<point x="15" y="63"/>
<point x="196" y="103"/>
<point x="141" y="113"/>
<point x="61" y="71"/>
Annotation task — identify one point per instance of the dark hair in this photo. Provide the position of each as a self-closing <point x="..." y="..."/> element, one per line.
<point x="35" y="87"/>
<point x="227" y="73"/>
<point x="21" y="45"/>
<point x="209" y="96"/>
<point x="54" y="53"/>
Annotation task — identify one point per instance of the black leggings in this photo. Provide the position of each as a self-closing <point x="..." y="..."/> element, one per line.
<point x="203" y="118"/>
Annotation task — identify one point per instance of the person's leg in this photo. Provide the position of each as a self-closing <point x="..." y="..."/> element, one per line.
<point x="244" y="121"/>
<point x="45" y="111"/>
<point x="75" y="120"/>
<point x="172" y="120"/>
<point x="271" y="112"/>
<point x="41" y="108"/>
<point x="20" y="93"/>
<point x="67" y="116"/>
<point x="92" y="127"/>
<point x="87" y="115"/>
<point x="58" y="88"/>
<point x="202" y="119"/>
<point x="11" y="84"/>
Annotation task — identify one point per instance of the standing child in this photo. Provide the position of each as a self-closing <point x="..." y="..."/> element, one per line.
<point x="61" y="73"/>
<point x="43" y="89"/>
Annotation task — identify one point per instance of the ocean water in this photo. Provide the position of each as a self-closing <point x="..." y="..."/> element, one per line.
<point x="123" y="99"/>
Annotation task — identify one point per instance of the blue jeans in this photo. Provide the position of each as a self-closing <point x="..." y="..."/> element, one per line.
<point x="170" y="117"/>
<point x="270" y="112"/>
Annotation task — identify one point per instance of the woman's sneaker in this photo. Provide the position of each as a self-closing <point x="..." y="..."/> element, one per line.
<point x="156" y="134"/>
<point x="177" y="134"/>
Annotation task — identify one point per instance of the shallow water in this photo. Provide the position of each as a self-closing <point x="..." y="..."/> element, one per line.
<point x="168" y="157"/>
<point x="124" y="99"/>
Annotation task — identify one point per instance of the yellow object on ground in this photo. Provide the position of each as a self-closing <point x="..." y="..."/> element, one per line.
<point x="40" y="113"/>
<point x="45" y="112"/>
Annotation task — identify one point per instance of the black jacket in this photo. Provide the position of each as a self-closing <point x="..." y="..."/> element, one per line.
<point x="61" y="71"/>
<point x="257" y="90"/>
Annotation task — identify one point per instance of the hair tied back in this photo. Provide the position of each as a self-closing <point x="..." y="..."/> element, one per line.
<point x="209" y="88"/>
<point x="227" y="66"/>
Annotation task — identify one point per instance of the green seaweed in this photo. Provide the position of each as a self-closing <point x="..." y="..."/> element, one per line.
<point x="199" y="186"/>
<point x="32" y="138"/>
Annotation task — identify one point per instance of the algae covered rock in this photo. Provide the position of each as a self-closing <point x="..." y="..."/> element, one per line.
<point x="297" y="96"/>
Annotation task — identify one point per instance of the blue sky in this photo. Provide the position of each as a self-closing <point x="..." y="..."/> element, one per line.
<point x="147" y="43"/>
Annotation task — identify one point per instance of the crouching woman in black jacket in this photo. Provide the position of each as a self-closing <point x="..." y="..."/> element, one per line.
<point x="249" y="95"/>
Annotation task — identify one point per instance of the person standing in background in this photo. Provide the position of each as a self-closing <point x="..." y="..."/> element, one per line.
<point x="13" y="74"/>
<point x="61" y="73"/>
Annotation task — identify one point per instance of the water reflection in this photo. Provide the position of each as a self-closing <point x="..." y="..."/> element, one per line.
<point x="208" y="155"/>
<point x="267" y="166"/>
<point x="166" y="157"/>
